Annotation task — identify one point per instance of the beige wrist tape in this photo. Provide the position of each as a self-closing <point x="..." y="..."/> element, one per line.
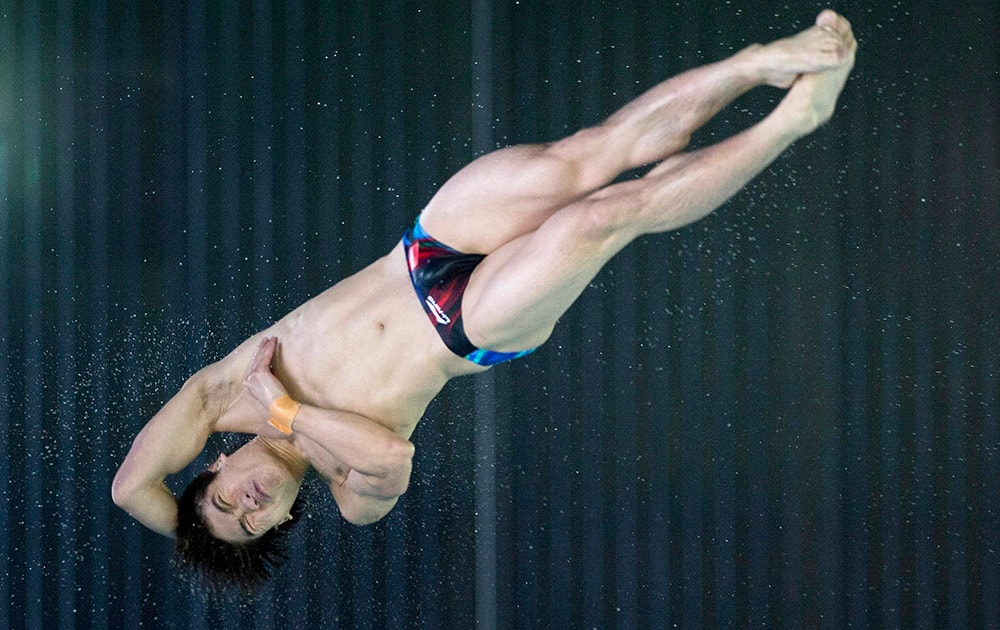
<point x="283" y="411"/>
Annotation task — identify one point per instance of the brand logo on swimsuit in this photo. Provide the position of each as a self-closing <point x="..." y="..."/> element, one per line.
<point x="439" y="314"/>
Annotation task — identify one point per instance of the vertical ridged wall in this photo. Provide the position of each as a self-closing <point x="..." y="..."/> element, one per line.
<point x="786" y="414"/>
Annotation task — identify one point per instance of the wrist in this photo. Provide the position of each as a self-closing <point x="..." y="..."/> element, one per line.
<point x="283" y="412"/>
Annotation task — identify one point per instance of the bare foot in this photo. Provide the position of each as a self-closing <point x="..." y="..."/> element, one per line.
<point x="821" y="47"/>
<point x="813" y="96"/>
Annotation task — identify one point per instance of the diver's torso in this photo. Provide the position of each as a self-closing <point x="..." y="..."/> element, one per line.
<point x="366" y="346"/>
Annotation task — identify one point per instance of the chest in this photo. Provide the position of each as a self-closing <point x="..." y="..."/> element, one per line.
<point x="366" y="347"/>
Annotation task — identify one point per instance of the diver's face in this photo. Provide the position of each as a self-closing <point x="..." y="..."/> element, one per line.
<point x="251" y="493"/>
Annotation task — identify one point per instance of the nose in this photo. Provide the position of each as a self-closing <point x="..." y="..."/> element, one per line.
<point x="248" y="501"/>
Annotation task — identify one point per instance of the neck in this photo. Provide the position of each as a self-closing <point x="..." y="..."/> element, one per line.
<point x="287" y="453"/>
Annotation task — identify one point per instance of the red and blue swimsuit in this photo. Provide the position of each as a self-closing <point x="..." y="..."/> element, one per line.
<point x="440" y="275"/>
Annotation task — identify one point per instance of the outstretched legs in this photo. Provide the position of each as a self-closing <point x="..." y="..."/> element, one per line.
<point x="511" y="192"/>
<point x="519" y="291"/>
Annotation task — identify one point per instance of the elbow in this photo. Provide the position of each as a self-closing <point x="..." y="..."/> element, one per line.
<point x="122" y="490"/>
<point x="397" y="463"/>
<point x="119" y="493"/>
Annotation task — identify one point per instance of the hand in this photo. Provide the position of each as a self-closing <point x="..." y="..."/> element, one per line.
<point x="260" y="382"/>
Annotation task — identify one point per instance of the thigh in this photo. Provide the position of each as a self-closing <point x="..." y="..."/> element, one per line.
<point x="511" y="192"/>
<point x="519" y="291"/>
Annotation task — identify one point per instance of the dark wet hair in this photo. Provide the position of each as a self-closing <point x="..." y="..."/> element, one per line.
<point x="221" y="566"/>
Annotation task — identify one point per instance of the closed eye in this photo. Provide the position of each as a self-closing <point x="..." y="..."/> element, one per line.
<point x="226" y="508"/>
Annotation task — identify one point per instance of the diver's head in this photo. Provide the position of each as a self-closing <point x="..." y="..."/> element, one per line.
<point x="252" y="492"/>
<point x="234" y="518"/>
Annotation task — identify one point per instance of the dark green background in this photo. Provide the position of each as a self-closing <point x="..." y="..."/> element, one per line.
<point x="783" y="415"/>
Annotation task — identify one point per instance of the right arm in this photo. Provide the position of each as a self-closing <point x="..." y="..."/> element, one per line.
<point x="171" y="440"/>
<point x="378" y="461"/>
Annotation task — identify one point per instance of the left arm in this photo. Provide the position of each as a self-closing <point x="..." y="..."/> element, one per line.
<point x="171" y="440"/>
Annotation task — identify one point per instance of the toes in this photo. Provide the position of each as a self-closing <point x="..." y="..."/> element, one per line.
<point x="830" y="20"/>
<point x="838" y="29"/>
<point x="831" y="49"/>
<point x="827" y="17"/>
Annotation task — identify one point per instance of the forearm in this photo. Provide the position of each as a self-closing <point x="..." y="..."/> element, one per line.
<point x="363" y="445"/>
<point x="381" y="457"/>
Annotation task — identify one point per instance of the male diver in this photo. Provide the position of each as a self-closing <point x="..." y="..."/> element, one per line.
<point x="497" y="256"/>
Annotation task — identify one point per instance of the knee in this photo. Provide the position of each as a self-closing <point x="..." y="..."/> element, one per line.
<point x="611" y="212"/>
<point x="582" y="160"/>
<point x="558" y="173"/>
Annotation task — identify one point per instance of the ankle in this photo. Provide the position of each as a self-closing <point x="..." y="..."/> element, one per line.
<point x="746" y="66"/>
<point x="798" y="117"/>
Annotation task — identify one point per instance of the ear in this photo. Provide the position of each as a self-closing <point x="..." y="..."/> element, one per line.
<point x="217" y="464"/>
<point x="287" y="518"/>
